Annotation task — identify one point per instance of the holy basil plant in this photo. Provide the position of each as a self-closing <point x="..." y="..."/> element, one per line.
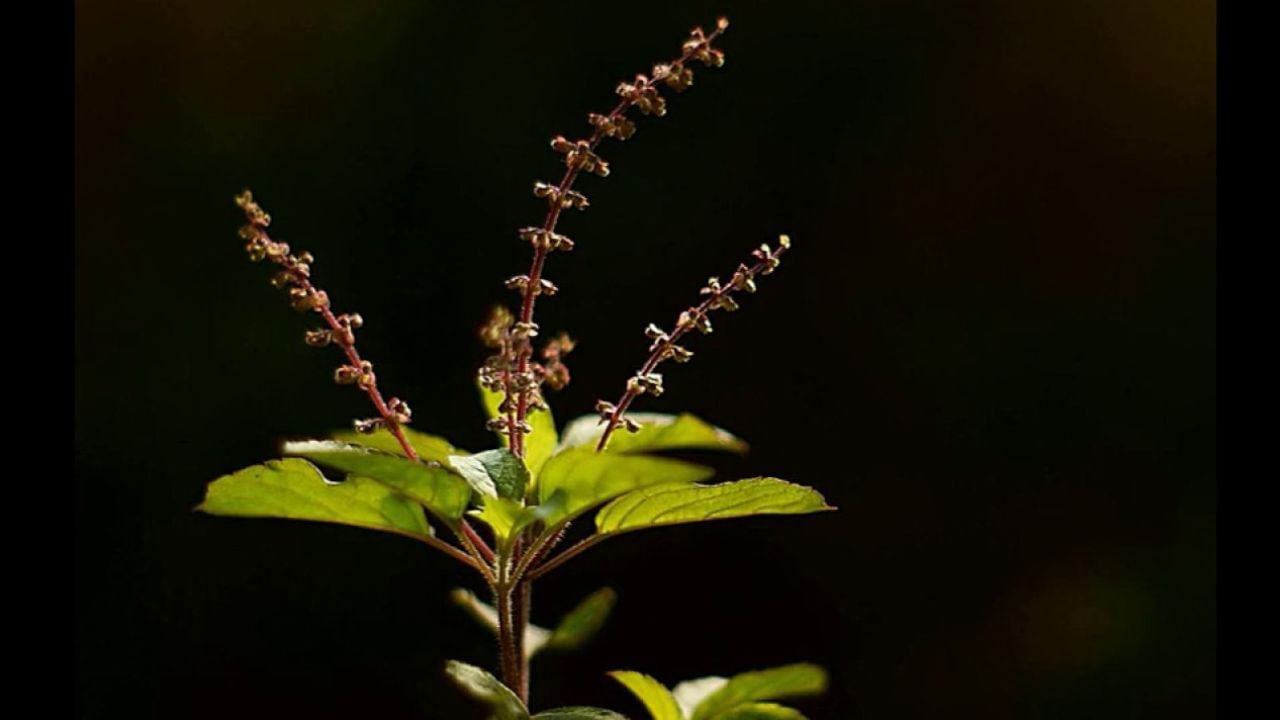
<point x="506" y="511"/>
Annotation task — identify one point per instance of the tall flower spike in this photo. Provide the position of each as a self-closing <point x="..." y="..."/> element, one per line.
<point x="718" y="297"/>
<point x="512" y="367"/>
<point x="295" y="277"/>
<point x="357" y="371"/>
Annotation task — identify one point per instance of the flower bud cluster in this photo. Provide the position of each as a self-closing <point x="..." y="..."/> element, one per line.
<point x="294" y="276"/>
<point x="607" y="411"/>
<point x="556" y="373"/>
<point x="643" y="96"/>
<point x="699" y="45"/>
<point x="614" y="126"/>
<point x="502" y="371"/>
<point x="523" y="285"/>
<point x="545" y="240"/>
<point x="579" y="156"/>
<point x="565" y="198"/>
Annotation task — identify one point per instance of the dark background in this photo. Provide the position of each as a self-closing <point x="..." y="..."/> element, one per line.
<point x="992" y="347"/>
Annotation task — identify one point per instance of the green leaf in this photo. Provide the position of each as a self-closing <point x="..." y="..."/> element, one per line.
<point x="761" y="711"/>
<point x="434" y="486"/>
<point x="508" y="517"/>
<point x="295" y="489"/>
<point x="752" y="687"/>
<point x="584" y="621"/>
<point x="579" y="713"/>
<point x="493" y="473"/>
<point x="588" y="478"/>
<point x="575" y="629"/>
<point x="480" y="685"/>
<point x="690" y="693"/>
<point x="653" y="694"/>
<point x="657" y="432"/>
<point x="500" y="514"/>
<point x="676" y="503"/>
<point x="429" y="447"/>
<point x="539" y="444"/>
<point x="482" y="612"/>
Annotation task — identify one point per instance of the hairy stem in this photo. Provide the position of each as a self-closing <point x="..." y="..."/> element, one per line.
<point x="523" y="602"/>
<point x="568" y="554"/>
<point x="506" y="637"/>
<point x="539" y="548"/>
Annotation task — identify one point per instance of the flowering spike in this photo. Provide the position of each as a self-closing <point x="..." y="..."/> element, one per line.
<point x="295" y="275"/>
<point x="665" y="347"/>
<point x="511" y="369"/>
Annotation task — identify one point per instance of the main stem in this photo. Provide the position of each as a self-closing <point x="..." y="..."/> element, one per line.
<point x="513" y="603"/>
<point x="506" y="638"/>
<point x="523" y="600"/>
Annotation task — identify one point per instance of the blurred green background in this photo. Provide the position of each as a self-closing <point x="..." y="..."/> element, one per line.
<point x="992" y="347"/>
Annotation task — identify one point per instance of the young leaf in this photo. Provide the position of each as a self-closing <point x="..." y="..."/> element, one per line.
<point x="579" y="713"/>
<point x="690" y="693"/>
<point x="761" y="711"/>
<point x="676" y="503"/>
<point x="434" y="486"/>
<point x="500" y="514"/>
<point x="493" y="473"/>
<point x="480" y="685"/>
<point x="295" y="489"/>
<point x="539" y="444"/>
<point x="653" y="694"/>
<point x="575" y="629"/>
<point x="588" y="478"/>
<point x="482" y="612"/>
<point x="752" y="687"/>
<point x="584" y="621"/>
<point x="430" y="448"/>
<point x="657" y="432"/>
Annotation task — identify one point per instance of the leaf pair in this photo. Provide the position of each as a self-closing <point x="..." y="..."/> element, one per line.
<point x="577" y="627"/>
<point x="503" y="704"/>
<point x="741" y="697"/>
